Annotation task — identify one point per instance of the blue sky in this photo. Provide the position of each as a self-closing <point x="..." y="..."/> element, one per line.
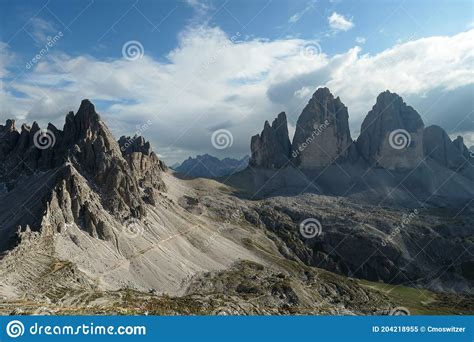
<point x="207" y="65"/>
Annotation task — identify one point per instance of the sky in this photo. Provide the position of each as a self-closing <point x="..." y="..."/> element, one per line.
<point x="180" y="72"/>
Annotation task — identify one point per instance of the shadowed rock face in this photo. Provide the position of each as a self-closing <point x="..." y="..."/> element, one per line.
<point x="134" y="144"/>
<point x="271" y="149"/>
<point x="391" y="134"/>
<point x="438" y="146"/>
<point x="322" y="132"/>
<point x="459" y="143"/>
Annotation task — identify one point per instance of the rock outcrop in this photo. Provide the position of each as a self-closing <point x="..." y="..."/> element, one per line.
<point x="391" y="134"/>
<point x="322" y="132"/>
<point x="272" y="148"/>
<point x="145" y="165"/>
<point x="438" y="146"/>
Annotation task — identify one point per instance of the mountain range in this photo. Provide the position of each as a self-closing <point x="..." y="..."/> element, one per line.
<point x="322" y="224"/>
<point x="208" y="166"/>
<point x="394" y="160"/>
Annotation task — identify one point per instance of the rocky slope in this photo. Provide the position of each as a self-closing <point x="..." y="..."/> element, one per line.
<point x="103" y="207"/>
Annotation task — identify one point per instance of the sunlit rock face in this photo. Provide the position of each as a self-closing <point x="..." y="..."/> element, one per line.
<point x="322" y="132"/>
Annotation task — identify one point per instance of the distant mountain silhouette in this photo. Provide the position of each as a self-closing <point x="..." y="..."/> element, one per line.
<point x="208" y="166"/>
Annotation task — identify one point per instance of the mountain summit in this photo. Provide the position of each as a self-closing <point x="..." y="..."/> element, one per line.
<point x="322" y="132"/>
<point x="391" y="134"/>
<point x="272" y="148"/>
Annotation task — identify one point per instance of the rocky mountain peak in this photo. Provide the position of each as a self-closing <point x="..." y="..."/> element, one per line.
<point x="322" y="132"/>
<point x="391" y="134"/>
<point x="271" y="149"/>
<point x="121" y="183"/>
<point x="87" y="125"/>
<point x="459" y="144"/>
<point x="452" y="154"/>
<point x="9" y="126"/>
<point x="321" y="94"/>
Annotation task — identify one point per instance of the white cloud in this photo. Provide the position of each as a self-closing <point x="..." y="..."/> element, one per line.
<point x="5" y="57"/>
<point x="298" y="15"/>
<point x="40" y="29"/>
<point x="468" y="139"/>
<point x="201" y="7"/>
<point x="339" y="23"/>
<point x="211" y="81"/>
<point x="360" y="40"/>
